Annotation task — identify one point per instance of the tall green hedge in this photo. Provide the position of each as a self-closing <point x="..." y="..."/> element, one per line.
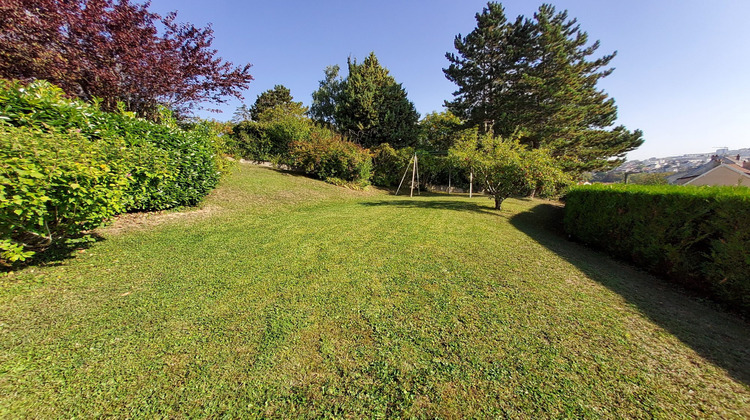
<point x="53" y="185"/>
<point x="65" y="166"/>
<point x="169" y="166"/>
<point x="696" y="236"/>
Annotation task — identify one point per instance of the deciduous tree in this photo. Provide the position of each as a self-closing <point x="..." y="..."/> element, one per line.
<point x="279" y="96"/>
<point x="324" y="100"/>
<point x="117" y="51"/>
<point x="439" y="131"/>
<point x="506" y="168"/>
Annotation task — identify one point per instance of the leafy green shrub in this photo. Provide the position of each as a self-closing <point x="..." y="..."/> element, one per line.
<point x="389" y="164"/>
<point x="67" y="166"/>
<point x="252" y="141"/>
<point x="10" y="252"/>
<point x="327" y="155"/>
<point x="506" y="168"/>
<point x="282" y="127"/>
<point x="169" y="166"/>
<point x="42" y="104"/>
<point x="222" y="140"/>
<point x="696" y="236"/>
<point x="183" y="167"/>
<point x="270" y="138"/>
<point x="53" y="185"/>
<point x="284" y="135"/>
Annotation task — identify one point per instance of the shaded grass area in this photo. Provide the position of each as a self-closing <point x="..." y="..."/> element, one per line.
<point x="285" y="296"/>
<point x="714" y="334"/>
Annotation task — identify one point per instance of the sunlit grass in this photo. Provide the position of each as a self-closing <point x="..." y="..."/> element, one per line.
<point x="285" y="296"/>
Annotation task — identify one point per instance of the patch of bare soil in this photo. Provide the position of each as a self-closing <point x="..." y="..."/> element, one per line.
<point x="139" y="221"/>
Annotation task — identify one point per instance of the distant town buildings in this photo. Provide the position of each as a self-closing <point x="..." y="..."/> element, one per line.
<point x="720" y="170"/>
<point x="683" y="169"/>
<point x="684" y="163"/>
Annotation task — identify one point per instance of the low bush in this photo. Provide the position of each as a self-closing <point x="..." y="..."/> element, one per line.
<point x="270" y="138"/>
<point x="252" y="142"/>
<point x="284" y="135"/>
<point x="53" y="185"/>
<point x="696" y="236"/>
<point x="281" y="129"/>
<point x="328" y="156"/>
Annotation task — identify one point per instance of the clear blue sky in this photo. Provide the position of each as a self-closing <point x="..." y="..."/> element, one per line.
<point x="682" y="70"/>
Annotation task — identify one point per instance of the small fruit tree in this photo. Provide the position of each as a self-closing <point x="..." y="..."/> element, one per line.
<point x="505" y="168"/>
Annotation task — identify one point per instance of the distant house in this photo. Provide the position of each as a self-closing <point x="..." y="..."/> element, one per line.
<point x="720" y="170"/>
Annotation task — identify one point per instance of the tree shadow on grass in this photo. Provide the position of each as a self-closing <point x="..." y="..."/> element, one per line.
<point x="279" y="169"/>
<point x="57" y="253"/>
<point x="455" y="205"/>
<point x="719" y="336"/>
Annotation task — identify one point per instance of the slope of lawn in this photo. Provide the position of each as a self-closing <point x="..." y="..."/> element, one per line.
<point x="285" y="296"/>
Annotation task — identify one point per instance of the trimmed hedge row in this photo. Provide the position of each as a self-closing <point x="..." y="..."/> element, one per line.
<point x="696" y="236"/>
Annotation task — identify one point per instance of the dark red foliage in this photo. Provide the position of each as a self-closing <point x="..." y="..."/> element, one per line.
<point x="113" y="50"/>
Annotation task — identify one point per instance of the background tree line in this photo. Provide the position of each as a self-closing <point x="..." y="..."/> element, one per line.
<point x="529" y="82"/>
<point x="527" y="115"/>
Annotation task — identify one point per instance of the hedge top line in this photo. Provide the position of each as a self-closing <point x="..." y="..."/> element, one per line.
<point x="660" y="190"/>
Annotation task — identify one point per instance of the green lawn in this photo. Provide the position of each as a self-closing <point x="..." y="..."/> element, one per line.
<point x="285" y="296"/>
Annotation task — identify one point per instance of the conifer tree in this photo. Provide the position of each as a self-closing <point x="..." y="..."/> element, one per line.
<point x="536" y="76"/>
<point x="368" y="105"/>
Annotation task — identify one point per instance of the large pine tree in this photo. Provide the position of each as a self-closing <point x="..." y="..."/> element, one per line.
<point x="537" y="76"/>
